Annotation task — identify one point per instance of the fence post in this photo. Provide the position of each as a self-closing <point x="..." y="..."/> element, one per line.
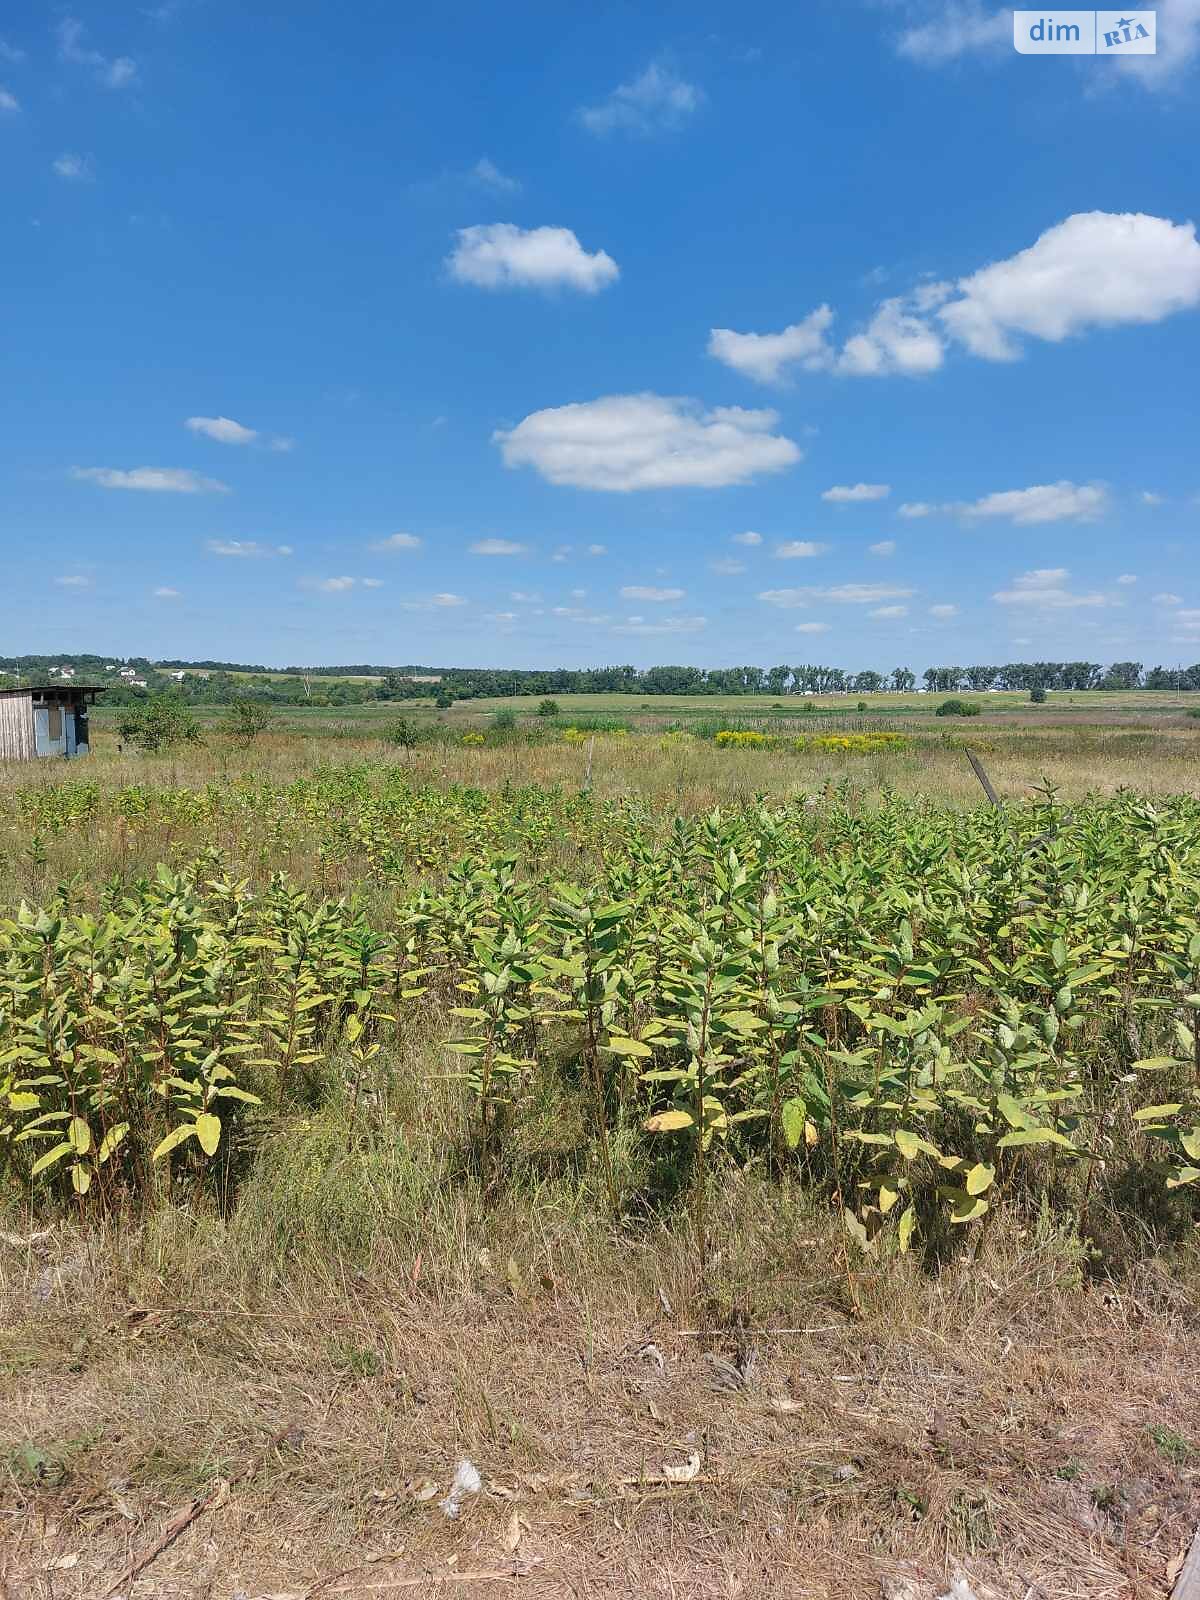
<point x="982" y="776"/>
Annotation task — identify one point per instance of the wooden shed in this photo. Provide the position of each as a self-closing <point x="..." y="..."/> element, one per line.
<point x="45" y="720"/>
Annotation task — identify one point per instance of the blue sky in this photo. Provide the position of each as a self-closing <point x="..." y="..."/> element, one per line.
<point x="540" y="335"/>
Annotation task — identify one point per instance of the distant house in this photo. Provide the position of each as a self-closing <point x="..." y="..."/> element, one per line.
<point x="137" y="683"/>
<point x="178" y="676"/>
<point x="45" y="720"/>
<point x="127" y="672"/>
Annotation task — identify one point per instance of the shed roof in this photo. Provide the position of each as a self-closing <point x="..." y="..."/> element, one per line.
<point x="56" y="688"/>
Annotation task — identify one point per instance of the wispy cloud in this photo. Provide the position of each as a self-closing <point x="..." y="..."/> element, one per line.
<point x="853" y="494"/>
<point x="811" y="627"/>
<point x="397" y="541"/>
<point x="72" y="168"/>
<point x="74" y="580"/>
<point x="435" y="602"/>
<point x="799" y="549"/>
<point x="165" y="592"/>
<point x="498" y="547"/>
<point x="639" y="627"/>
<point x="9" y="104"/>
<point x="152" y="480"/>
<point x="646" y="591"/>
<point x="845" y="594"/>
<point x="882" y="547"/>
<point x="339" y="585"/>
<point x="488" y="175"/>
<point x="749" y="538"/>
<point x="246" y="549"/>
<point x="1044" y="589"/>
<point x="114" y="72"/>
<point x="656" y="102"/>
<point x="943" y="611"/>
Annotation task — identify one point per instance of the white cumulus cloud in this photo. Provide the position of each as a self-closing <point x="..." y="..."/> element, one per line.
<point x="1093" y="270"/>
<point x="766" y="356"/>
<point x="164" y="592"/>
<point x="883" y="547"/>
<point x="812" y="627"/>
<point x="1096" y="269"/>
<point x="223" y="429"/>
<point x="1041" y="502"/>
<point x="917" y="508"/>
<point x="748" y="538"/>
<point x="9" y="102"/>
<point x="656" y="102"/>
<point x="647" y="441"/>
<point x="160" y="480"/>
<point x="499" y="255"/>
<point x="943" y="611"/>
<point x="884" y="612"/>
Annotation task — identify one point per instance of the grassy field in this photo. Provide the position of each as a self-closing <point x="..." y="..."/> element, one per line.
<point x="675" y="1364"/>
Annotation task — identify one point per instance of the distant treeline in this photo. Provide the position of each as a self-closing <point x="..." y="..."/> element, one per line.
<point x="213" y="683"/>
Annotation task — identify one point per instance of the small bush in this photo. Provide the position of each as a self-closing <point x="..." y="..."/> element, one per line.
<point x="443" y="700"/>
<point x="957" y="708"/>
<point x="246" y="719"/>
<point x="404" y="733"/>
<point x="159" y="723"/>
<point x="548" y="708"/>
<point x="1038" y="696"/>
<point x="504" y="721"/>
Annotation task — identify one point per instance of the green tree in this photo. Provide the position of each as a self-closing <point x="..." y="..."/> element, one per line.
<point x="548" y="708"/>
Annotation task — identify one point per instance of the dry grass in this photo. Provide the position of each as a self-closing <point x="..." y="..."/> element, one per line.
<point x="1000" y="1418"/>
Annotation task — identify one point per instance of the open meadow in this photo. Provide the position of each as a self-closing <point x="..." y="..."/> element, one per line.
<point x="653" y="1148"/>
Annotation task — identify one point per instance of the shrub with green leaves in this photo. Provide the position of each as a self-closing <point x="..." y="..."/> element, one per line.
<point x="957" y="708"/>
<point x="160" y="722"/>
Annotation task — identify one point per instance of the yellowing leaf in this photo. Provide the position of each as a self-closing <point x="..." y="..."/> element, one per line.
<point x="907" y="1143"/>
<point x="979" y="1178"/>
<point x="79" y="1136"/>
<point x="668" y="1121"/>
<point x="208" y="1131"/>
<point x="907" y="1224"/>
<point x="627" y="1047"/>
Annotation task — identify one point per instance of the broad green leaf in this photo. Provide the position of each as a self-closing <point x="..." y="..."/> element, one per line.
<point x="79" y="1136"/>
<point x="81" y="1178"/>
<point x="967" y="1207"/>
